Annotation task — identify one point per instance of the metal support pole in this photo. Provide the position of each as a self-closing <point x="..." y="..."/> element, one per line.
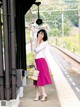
<point x="63" y="44"/>
<point x="62" y="24"/>
<point x="1" y="64"/>
<point x="6" y="50"/>
<point x="18" y="33"/>
<point x="13" y="49"/>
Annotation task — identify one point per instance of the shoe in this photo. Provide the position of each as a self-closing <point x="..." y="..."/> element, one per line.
<point x="44" y="98"/>
<point x="37" y="98"/>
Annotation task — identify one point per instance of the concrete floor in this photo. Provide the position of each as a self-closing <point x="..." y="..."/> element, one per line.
<point x="29" y="94"/>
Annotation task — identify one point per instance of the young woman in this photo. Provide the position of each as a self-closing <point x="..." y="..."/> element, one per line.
<point x="41" y="65"/>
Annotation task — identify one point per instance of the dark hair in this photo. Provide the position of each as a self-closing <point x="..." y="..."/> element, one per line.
<point x="45" y="34"/>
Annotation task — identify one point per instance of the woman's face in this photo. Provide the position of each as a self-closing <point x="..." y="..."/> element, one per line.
<point x="40" y="36"/>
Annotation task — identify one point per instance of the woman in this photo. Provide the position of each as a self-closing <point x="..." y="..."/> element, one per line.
<point x="41" y="65"/>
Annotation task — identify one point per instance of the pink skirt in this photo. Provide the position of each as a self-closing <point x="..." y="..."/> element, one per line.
<point x="44" y="77"/>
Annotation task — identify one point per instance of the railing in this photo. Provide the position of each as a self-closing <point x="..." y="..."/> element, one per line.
<point x="68" y="53"/>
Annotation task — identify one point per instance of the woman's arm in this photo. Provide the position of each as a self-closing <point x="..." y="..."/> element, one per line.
<point x="41" y="46"/>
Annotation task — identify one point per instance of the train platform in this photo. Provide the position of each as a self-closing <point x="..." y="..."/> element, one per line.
<point x="60" y="93"/>
<point x="29" y="94"/>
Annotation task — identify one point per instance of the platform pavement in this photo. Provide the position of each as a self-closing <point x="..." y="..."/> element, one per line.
<point x="29" y="94"/>
<point x="60" y="93"/>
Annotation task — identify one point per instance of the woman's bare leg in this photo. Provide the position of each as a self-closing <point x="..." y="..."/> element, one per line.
<point x="37" y="90"/>
<point x="44" y="98"/>
<point x="43" y="90"/>
<point x="37" y="93"/>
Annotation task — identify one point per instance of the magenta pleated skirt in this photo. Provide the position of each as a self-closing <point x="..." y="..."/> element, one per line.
<point x="44" y="77"/>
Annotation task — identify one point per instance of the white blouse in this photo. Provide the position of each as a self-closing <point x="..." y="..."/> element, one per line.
<point x="40" y="50"/>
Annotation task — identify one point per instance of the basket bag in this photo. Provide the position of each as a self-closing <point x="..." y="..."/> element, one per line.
<point x="33" y="74"/>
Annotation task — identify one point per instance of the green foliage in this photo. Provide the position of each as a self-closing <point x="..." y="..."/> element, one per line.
<point x="58" y="31"/>
<point x="52" y="32"/>
<point x="73" y="17"/>
<point x="75" y="21"/>
<point x="54" y="18"/>
<point x="66" y="29"/>
<point x="72" y="43"/>
<point x="27" y="35"/>
<point x="30" y="58"/>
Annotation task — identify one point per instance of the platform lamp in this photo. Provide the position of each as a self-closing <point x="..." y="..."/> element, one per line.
<point x="38" y="21"/>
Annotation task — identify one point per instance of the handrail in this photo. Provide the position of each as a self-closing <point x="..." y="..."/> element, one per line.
<point x="69" y="53"/>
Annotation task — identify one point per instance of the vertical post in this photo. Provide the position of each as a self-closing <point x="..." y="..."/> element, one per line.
<point x="1" y="64"/>
<point x="20" y="38"/>
<point x="31" y="35"/>
<point x="63" y="44"/>
<point x="62" y="24"/>
<point x="79" y="21"/>
<point x="13" y="44"/>
<point x="6" y="50"/>
<point x="18" y="34"/>
<point x="23" y="43"/>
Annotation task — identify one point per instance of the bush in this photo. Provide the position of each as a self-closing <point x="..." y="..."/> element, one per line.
<point x="71" y="43"/>
<point x="30" y="58"/>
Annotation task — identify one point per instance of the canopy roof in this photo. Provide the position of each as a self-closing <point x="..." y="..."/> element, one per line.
<point x="26" y="4"/>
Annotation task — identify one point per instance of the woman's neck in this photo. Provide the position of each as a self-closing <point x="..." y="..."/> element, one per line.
<point x="40" y="42"/>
